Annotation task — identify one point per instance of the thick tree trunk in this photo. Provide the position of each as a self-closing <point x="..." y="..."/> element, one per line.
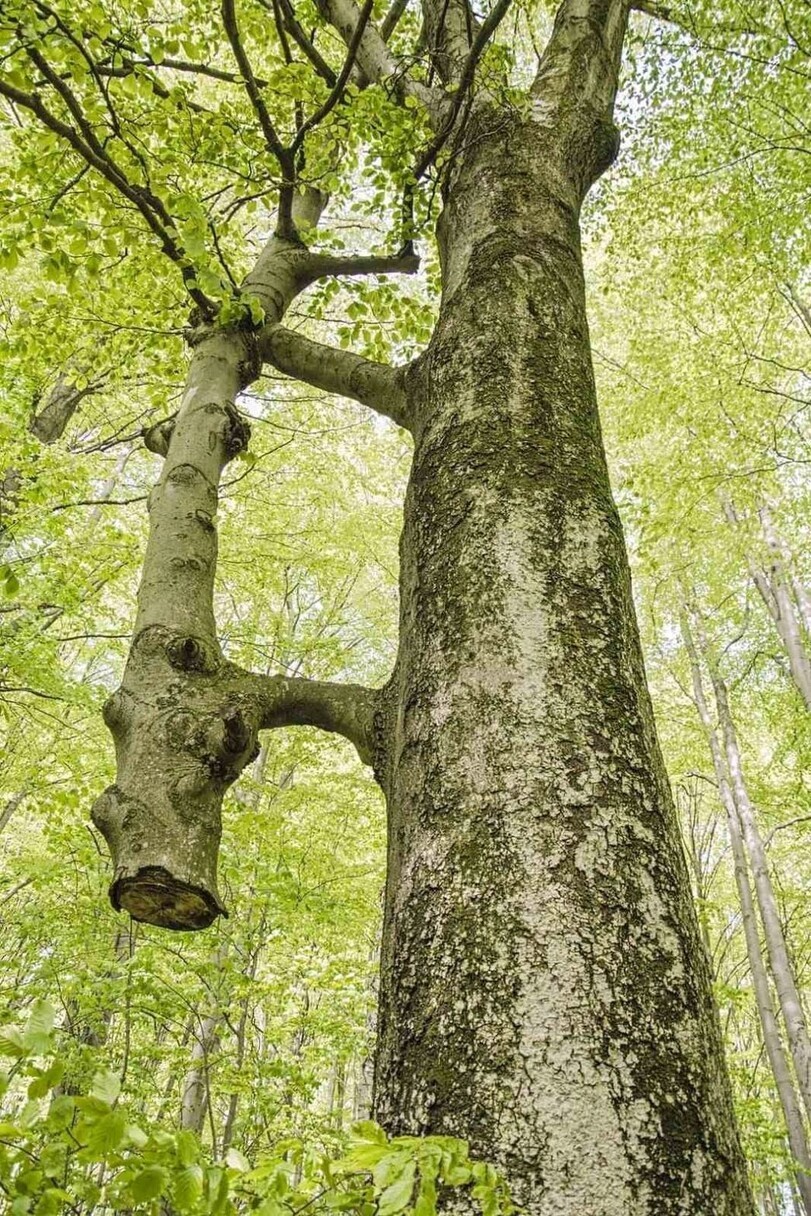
<point x="544" y="990"/>
<point x="781" y="1070"/>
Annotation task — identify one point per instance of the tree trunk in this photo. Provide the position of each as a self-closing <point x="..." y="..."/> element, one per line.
<point x="544" y="990"/>
<point x="194" y="1099"/>
<point x="785" y="982"/>
<point x="787" y="610"/>
<point x="792" y="1110"/>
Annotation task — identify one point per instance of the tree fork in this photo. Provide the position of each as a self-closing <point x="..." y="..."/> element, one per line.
<point x="185" y="721"/>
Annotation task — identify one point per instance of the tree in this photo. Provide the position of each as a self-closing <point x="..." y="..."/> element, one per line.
<point x="543" y="987"/>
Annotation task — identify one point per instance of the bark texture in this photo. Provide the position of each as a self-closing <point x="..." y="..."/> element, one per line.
<point x="185" y="721"/>
<point x="544" y="991"/>
<point x="780" y="962"/>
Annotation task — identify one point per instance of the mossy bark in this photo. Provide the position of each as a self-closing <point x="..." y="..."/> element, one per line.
<point x="544" y="990"/>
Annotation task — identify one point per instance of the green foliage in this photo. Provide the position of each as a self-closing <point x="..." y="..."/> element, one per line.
<point x="59" y="1151"/>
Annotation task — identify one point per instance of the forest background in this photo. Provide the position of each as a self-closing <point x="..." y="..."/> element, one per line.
<point x="257" y="1033"/>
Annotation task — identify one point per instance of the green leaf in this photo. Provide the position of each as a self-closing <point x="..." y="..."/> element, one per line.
<point x="398" y="1196"/>
<point x="106" y="1087"/>
<point x="187" y="1147"/>
<point x="105" y="1134"/>
<point x="37" y="1036"/>
<point x="235" y="1159"/>
<point x="366" y="1129"/>
<point x="11" y="1041"/>
<point x="188" y="1188"/>
<point x="149" y="1184"/>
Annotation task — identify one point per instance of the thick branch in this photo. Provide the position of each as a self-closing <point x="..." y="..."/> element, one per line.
<point x="49" y="423"/>
<point x="377" y="385"/>
<point x="576" y="84"/>
<point x="582" y="59"/>
<point x="660" y="11"/>
<point x="327" y="265"/>
<point x="374" y="58"/>
<point x="468" y="71"/>
<point x="345" y="709"/>
<point x="448" y="27"/>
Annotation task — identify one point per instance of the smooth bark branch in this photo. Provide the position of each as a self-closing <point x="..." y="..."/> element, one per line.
<point x="448" y="31"/>
<point x="49" y="423"/>
<point x="326" y="265"/>
<point x="344" y="709"/>
<point x="375" y="60"/>
<point x="782" y="597"/>
<point x="576" y="83"/>
<point x="465" y="82"/>
<point x="185" y="721"/>
<point x="377" y="385"/>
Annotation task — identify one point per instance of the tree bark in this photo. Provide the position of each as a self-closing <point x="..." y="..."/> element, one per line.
<point x="544" y="991"/>
<point x="781" y="1071"/>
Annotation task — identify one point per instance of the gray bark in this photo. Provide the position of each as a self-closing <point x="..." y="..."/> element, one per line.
<point x="12" y="804"/>
<point x="793" y="612"/>
<point x="49" y="423"/>
<point x="544" y="992"/>
<point x="778" y="1060"/>
<point x="194" y="1098"/>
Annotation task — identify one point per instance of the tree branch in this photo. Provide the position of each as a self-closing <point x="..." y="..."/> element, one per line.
<point x="391" y="20"/>
<point x="150" y="208"/>
<point x="485" y="33"/>
<point x="298" y="35"/>
<point x="326" y="265"/>
<point x="660" y="11"/>
<point x="49" y="423"/>
<point x="283" y="155"/>
<point x="576" y="83"/>
<point x="340" y="84"/>
<point x="374" y="58"/>
<point x="377" y="385"/>
<point x="345" y="709"/>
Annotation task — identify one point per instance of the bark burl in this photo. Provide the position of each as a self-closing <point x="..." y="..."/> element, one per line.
<point x="544" y="992"/>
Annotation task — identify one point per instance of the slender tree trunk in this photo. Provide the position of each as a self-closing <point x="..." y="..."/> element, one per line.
<point x="779" y="961"/>
<point x="12" y="804"/>
<point x="784" y="1081"/>
<point x="194" y="1099"/>
<point x="544" y="991"/>
<point x="785" y="600"/>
